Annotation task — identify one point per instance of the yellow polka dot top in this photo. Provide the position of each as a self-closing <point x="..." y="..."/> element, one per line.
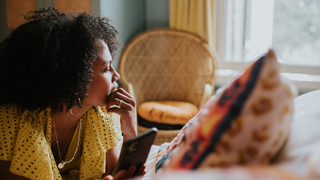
<point x="26" y="142"/>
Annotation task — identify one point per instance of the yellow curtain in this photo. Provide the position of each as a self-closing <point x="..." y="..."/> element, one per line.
<point x="15" y="9"/>
<point x="73" y="6"/>
<point x="196" y="16"/>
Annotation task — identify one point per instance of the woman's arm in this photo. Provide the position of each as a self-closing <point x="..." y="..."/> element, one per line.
<point x="127" y="111"/>
<point x="112" y="157"/>
<point x="6" y="174"/>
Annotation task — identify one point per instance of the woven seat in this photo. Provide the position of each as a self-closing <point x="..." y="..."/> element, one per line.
<point x="166" y="64"/>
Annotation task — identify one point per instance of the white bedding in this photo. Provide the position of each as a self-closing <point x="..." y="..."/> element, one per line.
<point x="151" y="163"/>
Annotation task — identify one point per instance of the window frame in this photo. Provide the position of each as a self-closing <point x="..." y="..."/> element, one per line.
<point x="236" y="66"/>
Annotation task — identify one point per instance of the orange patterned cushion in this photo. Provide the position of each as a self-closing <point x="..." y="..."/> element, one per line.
<point x="247" y="123"/>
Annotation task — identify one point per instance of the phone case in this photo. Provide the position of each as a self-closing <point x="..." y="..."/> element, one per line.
<point x="135" y="151"/>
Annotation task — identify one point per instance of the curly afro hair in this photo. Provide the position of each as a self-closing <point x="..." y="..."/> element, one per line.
<point x="48" y="60"/>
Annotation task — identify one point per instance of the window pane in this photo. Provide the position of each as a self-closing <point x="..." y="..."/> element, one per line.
<point x="290" y="27"/>
<point x="297" y="31"/>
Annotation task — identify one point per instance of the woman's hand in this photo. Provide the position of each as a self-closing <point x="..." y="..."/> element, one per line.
<point x="127" y="111"/>
<point x="125" y="174"/>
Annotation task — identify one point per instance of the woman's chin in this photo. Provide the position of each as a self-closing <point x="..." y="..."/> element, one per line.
<point x="99" y="104"/>
<point x="103" y="104"/>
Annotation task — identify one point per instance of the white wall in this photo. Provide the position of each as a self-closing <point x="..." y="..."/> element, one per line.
<point x="4" y="31"/>
<point x="130" y="17"/>
<point x="157" y="14"/>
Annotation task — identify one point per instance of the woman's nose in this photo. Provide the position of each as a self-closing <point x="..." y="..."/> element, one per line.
<point x="116" y="76"/>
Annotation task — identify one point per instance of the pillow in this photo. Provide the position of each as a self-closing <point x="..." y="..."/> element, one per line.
<point x="166" y="148"/>
<point x="167" y="112"/>
<point x="301" y="153"/>
<point x="255" y="172"/>
<point x="247" y="123"/>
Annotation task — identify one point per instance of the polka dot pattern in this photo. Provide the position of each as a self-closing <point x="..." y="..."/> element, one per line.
<point x="26" y="140"/>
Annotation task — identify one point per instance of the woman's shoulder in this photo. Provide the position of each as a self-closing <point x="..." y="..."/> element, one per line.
<point x="10" y="114"/>
<point x="9" y="121"/>
<point x="16" y="126"/>
<point x="24" y="141"/>
<point x="102" y="112"/>
<point x="100" y="119"/>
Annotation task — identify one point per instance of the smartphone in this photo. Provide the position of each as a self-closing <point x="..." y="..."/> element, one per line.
<point x="135" y="151"/>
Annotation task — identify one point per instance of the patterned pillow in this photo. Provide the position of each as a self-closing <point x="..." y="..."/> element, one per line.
<point x="247" y="123"/>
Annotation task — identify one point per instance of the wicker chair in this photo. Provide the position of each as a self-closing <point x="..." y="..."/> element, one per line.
<point x="166" y="64"/>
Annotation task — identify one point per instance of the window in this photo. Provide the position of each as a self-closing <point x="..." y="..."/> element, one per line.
<point x="248" y="28"/>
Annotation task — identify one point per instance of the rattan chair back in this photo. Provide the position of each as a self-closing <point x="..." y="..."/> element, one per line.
<point x="167" y="64"/>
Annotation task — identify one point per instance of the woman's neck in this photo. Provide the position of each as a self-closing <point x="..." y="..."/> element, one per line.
<point x="64" y="125"/>
<point x="64" y="120"/>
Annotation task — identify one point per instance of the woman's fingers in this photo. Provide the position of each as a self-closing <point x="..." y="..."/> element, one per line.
<point x="122" y="98"/>
<point x="123" y="174"/>
<point x="109" y="177"/>
<point x="126" y="93"/>
<point x="120" y="103"/>
<point x="141" y="171"/>
<point x="127" y="111"/>
<point x="120" y="175"/>
<point x="122" y="94"/>
<point x="123" y="111"/>
<point x="130" y="171"/>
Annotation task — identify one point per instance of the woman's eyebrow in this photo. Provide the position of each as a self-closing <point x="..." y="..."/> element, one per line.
<point x="107" y="62"/>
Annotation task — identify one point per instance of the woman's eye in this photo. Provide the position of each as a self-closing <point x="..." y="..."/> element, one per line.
<point x="108" y="69"/>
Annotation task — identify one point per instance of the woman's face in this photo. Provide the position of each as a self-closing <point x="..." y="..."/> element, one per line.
<point x="104" y="79"/>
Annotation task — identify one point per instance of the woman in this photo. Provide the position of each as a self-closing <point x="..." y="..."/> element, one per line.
<point x="60" y="108"/>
